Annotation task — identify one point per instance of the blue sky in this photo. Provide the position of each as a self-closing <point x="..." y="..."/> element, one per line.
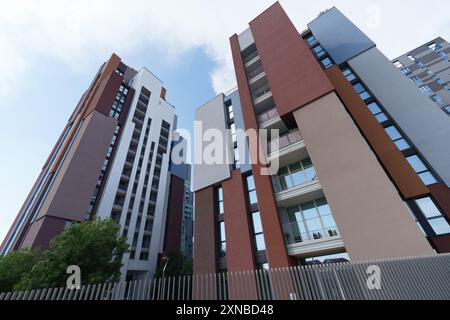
<point x="50" y="51"/>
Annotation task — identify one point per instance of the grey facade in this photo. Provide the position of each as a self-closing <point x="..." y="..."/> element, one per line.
<point x="417" y="116"/>
<point x="339" y="36"/>
<point x="428" y="67"/>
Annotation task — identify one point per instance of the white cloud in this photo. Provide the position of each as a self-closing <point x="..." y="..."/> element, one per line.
<point x="81" y="32"/>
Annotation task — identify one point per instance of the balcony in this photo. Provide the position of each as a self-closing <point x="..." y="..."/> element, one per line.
<point x="319" y="242"/>
<point x="271" y="120"/>
<point x="248" y="60"/>
<point x="256" y="75"/>
<point x="284" y="141"/>
<point x="261" y="94"/>
<point x="298" y="194"/>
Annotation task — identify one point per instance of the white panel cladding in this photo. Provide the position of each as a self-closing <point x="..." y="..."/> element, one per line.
<point x="245" y="39"/>
<point x="422" y="121"/>
<point x="157" y="110"/>
<point x="211" y="116"/>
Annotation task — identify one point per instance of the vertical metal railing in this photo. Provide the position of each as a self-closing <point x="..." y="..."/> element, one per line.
<point x="417" y="278"/>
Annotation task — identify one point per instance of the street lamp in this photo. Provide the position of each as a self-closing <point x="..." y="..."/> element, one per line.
<point x="165" y="261"/>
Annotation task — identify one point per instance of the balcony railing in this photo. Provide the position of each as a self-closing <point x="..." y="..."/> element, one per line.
<point x="295" y="233"/>
<point x="260" y="92"/>
<point x="255" y="72"/>
<point x="250" y="57"/>
<point x="284" y="141"/>
<point x="268" y="115"/>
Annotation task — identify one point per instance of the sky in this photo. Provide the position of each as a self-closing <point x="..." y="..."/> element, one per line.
<point x="51" y="49"/>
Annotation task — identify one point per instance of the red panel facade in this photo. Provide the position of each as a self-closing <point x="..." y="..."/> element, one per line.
<point x="239" y="237"/>
<point x="273" y="232"/>
<point x="294" y="75"/>
<point x="174" y="220"/>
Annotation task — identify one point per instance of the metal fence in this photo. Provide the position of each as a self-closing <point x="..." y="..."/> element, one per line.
<point x="417" y="278"/>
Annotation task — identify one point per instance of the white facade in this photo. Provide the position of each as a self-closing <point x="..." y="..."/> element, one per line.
<point x="135" y="171"/>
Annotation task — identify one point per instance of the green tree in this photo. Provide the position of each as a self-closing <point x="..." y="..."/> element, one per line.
<point x="15" y="265"/>
<point x="95" y="246"/>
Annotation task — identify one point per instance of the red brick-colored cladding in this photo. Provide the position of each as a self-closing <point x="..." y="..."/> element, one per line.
<point x="240" y="250"/>
<point x="109" y="68"/>
<point x="172" y="242"/>
<point x="294" y="75"/>
<point x="441" y="194"/>
<point x="40" y="233"/>
<point x="442" y="243"/>
<point x="273" y="233"/>
<point x="397" y="167"/>
<point x="205" y="245"/>
<point x="76" y="118"/>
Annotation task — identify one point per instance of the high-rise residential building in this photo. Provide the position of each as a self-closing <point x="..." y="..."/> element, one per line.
<point x="363" y="155"/>
<point x="428" y="66"/>
<point x="111" y="161"/>
<point x="179" y="226"/>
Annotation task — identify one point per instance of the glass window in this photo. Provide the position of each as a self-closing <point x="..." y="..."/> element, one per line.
<point x="428" y="207"/>
<point x="252" y="197"/>
<point x="433" y="215"/>
<point x="309" y="210"/>
<point x="427" y="178"/>
<point x="220" y="200"/>
<point x="374" y="108"/>
<point x="250" y="183"/>
<point x="348" y="74"/>
<point x="398" y="64"/>
<point x="416" y="163"/>
<point x="326" y="62"/>
<point x="361" y="90"/>
<point x="440" y="226"/>
<point x="311" y="40"/>
<point x="319" y="51"/>
<point x="260" y="244"/>
<point x="257" y="225"/>
<point x="397" y="137"/>
<point x="296" y="174"/>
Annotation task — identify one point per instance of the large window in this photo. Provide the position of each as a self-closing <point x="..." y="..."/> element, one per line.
<point x="296" y="174"/>
<point x="310" y="221"/>
<point x="433" y="216"/>
<point x="421" y="169"/>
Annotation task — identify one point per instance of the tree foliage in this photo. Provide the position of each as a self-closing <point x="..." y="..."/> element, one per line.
<point x="175" y="266"/>
<point x="15" y="265"/>
<point x="94" y="246"/>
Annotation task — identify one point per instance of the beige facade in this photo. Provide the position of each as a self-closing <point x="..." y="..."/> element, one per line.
<point x="372" y="218"/>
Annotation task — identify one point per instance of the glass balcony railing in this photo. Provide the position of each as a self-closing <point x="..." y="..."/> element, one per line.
<point x="284" y="141"/>
<point x="296" y="232"/>
<point x="268" y="115"/>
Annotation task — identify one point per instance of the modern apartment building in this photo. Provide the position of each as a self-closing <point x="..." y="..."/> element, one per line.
<point x="179" y="226"/>
<point x="428" y="66"/>
<point x="111" y="161"/>
<point x="363" y="154"/>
